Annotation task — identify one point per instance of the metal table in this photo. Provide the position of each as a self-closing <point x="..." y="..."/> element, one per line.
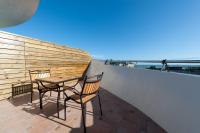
<point x="56" y="81"/>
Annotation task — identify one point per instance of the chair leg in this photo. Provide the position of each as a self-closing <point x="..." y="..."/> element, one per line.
<point x="65" y="106"/>
<point x="83" y="117"/>
<point x="58" y="98"/>
<point x="40" y="95"/>
<point x="65" y="109"/>
<point x="50" y="93"/>
<point x="31" y="96"/>
<point x="100" y="105"/>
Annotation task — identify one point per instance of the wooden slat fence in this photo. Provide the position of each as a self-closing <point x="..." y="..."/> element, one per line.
<point x="18" y="54"/>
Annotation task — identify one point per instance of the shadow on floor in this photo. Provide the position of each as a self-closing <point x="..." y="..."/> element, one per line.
<point x="118" y="115"/>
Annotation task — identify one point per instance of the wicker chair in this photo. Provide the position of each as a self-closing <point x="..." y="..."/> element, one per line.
<point x="89" y="89"/>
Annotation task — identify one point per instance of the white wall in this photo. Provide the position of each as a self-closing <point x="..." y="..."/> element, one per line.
<point x="172" y="100"/>
<point x="13" y="12"/>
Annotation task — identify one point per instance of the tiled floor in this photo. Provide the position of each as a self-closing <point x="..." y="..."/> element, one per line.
<point x="19" y="116"/>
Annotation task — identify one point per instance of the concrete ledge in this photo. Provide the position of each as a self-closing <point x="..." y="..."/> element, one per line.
<point x="170" y="99"/>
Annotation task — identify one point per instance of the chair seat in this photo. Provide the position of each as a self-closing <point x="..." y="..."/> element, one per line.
<point x="68" y="87"/>
<point x="52" y="87"/>
<point x="85" y="98"/>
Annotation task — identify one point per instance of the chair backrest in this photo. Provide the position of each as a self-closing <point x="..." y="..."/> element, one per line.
<point x="91" y="85"/>
<point x="34" y="74"/>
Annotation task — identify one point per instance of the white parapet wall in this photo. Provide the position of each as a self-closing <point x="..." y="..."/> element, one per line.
<point x="172" y="100"/>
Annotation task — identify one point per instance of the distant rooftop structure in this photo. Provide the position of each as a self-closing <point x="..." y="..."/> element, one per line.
<point x="180" y="66"/>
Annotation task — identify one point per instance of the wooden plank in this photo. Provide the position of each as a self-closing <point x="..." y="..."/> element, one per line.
<point x="10" y="81"/>
<point x="12" y="57"/>
<point x="8" y="36"/>
<point x="45" y="45"/>
<point x="54" y="55"/>
<point x="4" y="86"/>
<point x="11" y="76"/>
<point x="11" y="42"/>
<point x="53" y="48"/>
<point x="11" y="51"/>
<point x="11" y="46"/>
<point x="18" y="38"/>
<point x="12" y="66"/>
<point x="23" y="39"/>
<point x="53" y="51"/>
<point x="8" y="61"/>
<point x="54" y="62"/>
<point x="11" y="71"/>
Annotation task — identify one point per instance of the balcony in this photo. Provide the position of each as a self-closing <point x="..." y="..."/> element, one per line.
<point x="19" y="116"/>
<point x="133" y="100"/>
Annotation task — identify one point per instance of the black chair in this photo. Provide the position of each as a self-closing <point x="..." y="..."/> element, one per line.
<point x="90" y="87"/>
<point x="42" y="87"/>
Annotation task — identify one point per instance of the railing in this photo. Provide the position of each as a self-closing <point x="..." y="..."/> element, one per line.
<point x="156" y="61"/>
<point x="164" y="64"/>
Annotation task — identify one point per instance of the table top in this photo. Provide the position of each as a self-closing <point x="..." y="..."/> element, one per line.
<point x="57" y="80"/>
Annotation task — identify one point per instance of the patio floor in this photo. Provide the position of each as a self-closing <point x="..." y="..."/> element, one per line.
<point x="19" y="116"/>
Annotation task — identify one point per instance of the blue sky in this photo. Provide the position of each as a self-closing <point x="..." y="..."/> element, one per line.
<point x="119" y="29"/>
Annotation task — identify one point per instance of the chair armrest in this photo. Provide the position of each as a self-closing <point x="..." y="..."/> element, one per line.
<point x="73" y="85"/>
<point x="73" y="90"/>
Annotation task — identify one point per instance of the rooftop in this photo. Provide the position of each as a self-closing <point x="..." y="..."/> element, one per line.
<point x="19" y="116"/>
<point x="134" y="100"/>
